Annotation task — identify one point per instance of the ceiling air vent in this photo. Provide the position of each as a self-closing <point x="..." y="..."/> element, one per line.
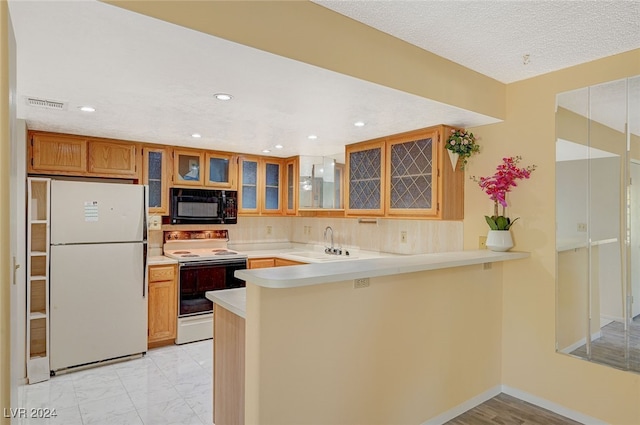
<point x="43" y="103"/>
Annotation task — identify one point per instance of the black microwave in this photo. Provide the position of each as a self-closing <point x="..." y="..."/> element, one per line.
<point x="203" y="206"/>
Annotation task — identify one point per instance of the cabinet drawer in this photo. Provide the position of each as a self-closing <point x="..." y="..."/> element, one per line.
<point x="159" y="273"/>
<point x="261" y="263"/>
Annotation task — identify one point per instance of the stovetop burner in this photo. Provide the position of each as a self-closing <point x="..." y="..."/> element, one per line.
<point x="225" y="253"/>
<point x="200" y="246"/>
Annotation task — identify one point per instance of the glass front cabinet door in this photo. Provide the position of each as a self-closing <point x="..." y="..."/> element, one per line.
<point x="272" y="195"/>
<point x="248" y="196"/>
<point x="412" y="171"/>
<point x="365" y="175"/>
<point x="156" y="177"/>
<point x="260" y="186"/>
<point x="188" y="168"/>
<point x="291" y="179"/>
<point x="221" y="170"/>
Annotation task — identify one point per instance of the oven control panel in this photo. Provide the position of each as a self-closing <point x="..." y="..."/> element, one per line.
<point x="179" y="235"/>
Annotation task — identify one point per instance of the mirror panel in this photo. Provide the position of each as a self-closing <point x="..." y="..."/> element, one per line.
<point x="321" y="182"/>
<point x="595" y="213"/>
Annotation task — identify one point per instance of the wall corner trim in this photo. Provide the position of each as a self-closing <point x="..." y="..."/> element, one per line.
<point x="522" y="395"/>
<point x="554" y="407"/>
<point x="467" y="405"/>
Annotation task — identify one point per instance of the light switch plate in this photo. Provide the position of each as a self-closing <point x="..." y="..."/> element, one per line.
<point x="155" y="222"/>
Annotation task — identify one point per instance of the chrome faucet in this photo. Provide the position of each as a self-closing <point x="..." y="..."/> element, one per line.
<point x="327" y="249"/>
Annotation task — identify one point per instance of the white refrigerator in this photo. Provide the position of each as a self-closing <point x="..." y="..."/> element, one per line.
<point x="98" y="282"/>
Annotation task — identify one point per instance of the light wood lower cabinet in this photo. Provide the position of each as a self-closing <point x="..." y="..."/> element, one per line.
<point x="163" y="305"/>
<point x="261" y="263"/>
<point x="281" y="262"/>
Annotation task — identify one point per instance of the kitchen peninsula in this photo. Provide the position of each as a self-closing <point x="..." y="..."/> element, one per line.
<point x="373" y="341"/>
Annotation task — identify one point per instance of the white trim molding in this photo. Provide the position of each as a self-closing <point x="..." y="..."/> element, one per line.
<point x="522" y="395"/>
<point x="467" y="405"/>
<point x="554" y="407"/>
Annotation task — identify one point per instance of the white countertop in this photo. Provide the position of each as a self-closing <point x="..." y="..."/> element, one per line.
<point x="327" y="272"/>
<point x="234" y="300"/>
<point x="157" y="260"/>
<point x="288" y="251"/>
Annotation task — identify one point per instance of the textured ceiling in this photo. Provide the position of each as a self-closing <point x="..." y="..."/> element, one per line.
<point x="152" y="81"/>
<point x="492" y="37"/>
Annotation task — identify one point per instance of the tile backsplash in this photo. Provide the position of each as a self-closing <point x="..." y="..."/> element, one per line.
<point x="382" y="234"/>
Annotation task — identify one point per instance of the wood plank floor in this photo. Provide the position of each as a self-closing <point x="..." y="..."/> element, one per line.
<point x="611" y="348"/>
<point x="506" y="410"/>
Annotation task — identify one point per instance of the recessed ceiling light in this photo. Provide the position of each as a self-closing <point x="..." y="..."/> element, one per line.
<point x="223" y="96"/>
<point x="359" y="123"/>
<point x="279" y="146"/>
<point x="312" y="137"/>
<point x="265" y="151"/>
<point x="87" y="109"/>
<point x="196" y="135"/>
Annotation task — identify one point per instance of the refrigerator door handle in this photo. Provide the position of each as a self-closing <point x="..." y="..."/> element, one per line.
<point x="145" y="203"/>
<point x="144" y="270"/>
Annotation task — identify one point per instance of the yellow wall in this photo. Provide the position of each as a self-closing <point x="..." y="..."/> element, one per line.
<point x="401" y="351"/>
<point x="5" y="352"/>
<point x="530" y="362"/>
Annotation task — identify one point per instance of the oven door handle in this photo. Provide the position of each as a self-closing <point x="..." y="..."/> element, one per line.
<point x="189" y="264"/>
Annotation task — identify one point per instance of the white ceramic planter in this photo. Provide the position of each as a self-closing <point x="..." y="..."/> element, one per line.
<point x="499" y="240"/>
<point x="453" y="157"/>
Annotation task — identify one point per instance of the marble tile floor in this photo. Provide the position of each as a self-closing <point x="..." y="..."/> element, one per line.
<point x="170" y="385"/>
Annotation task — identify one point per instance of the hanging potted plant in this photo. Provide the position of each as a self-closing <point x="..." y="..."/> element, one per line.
<point x="461" y="144"/>
<point x="497" y="186"/>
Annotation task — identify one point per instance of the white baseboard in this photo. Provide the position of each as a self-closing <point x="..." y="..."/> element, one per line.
<point x="461" y="408"/>
<point x="606" y="319"/>
<point x="580" y="343"/>
<point x="522" y="395"/>
<point x="554" y="407"/>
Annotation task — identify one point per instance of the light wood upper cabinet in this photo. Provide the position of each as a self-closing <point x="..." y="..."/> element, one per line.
<point x="155" y="174"/>
<point x="214" y="170"/>
<point x="260" y="186"/>
<point x="112" y="158"/>
<point x="57" y="153"/>
<point x="365" y="175"/>
<point x="291" y="186"/>
<point x="64" y="154"/>
<point x="404" y="175"/>
<point x="221" y="170"/>
<point x="272" y="189"/>
<point x="188" y="167"/>
<point x="412" y="169"/>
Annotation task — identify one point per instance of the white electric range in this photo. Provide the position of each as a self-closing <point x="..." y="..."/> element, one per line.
<point x="206" y="264"/>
